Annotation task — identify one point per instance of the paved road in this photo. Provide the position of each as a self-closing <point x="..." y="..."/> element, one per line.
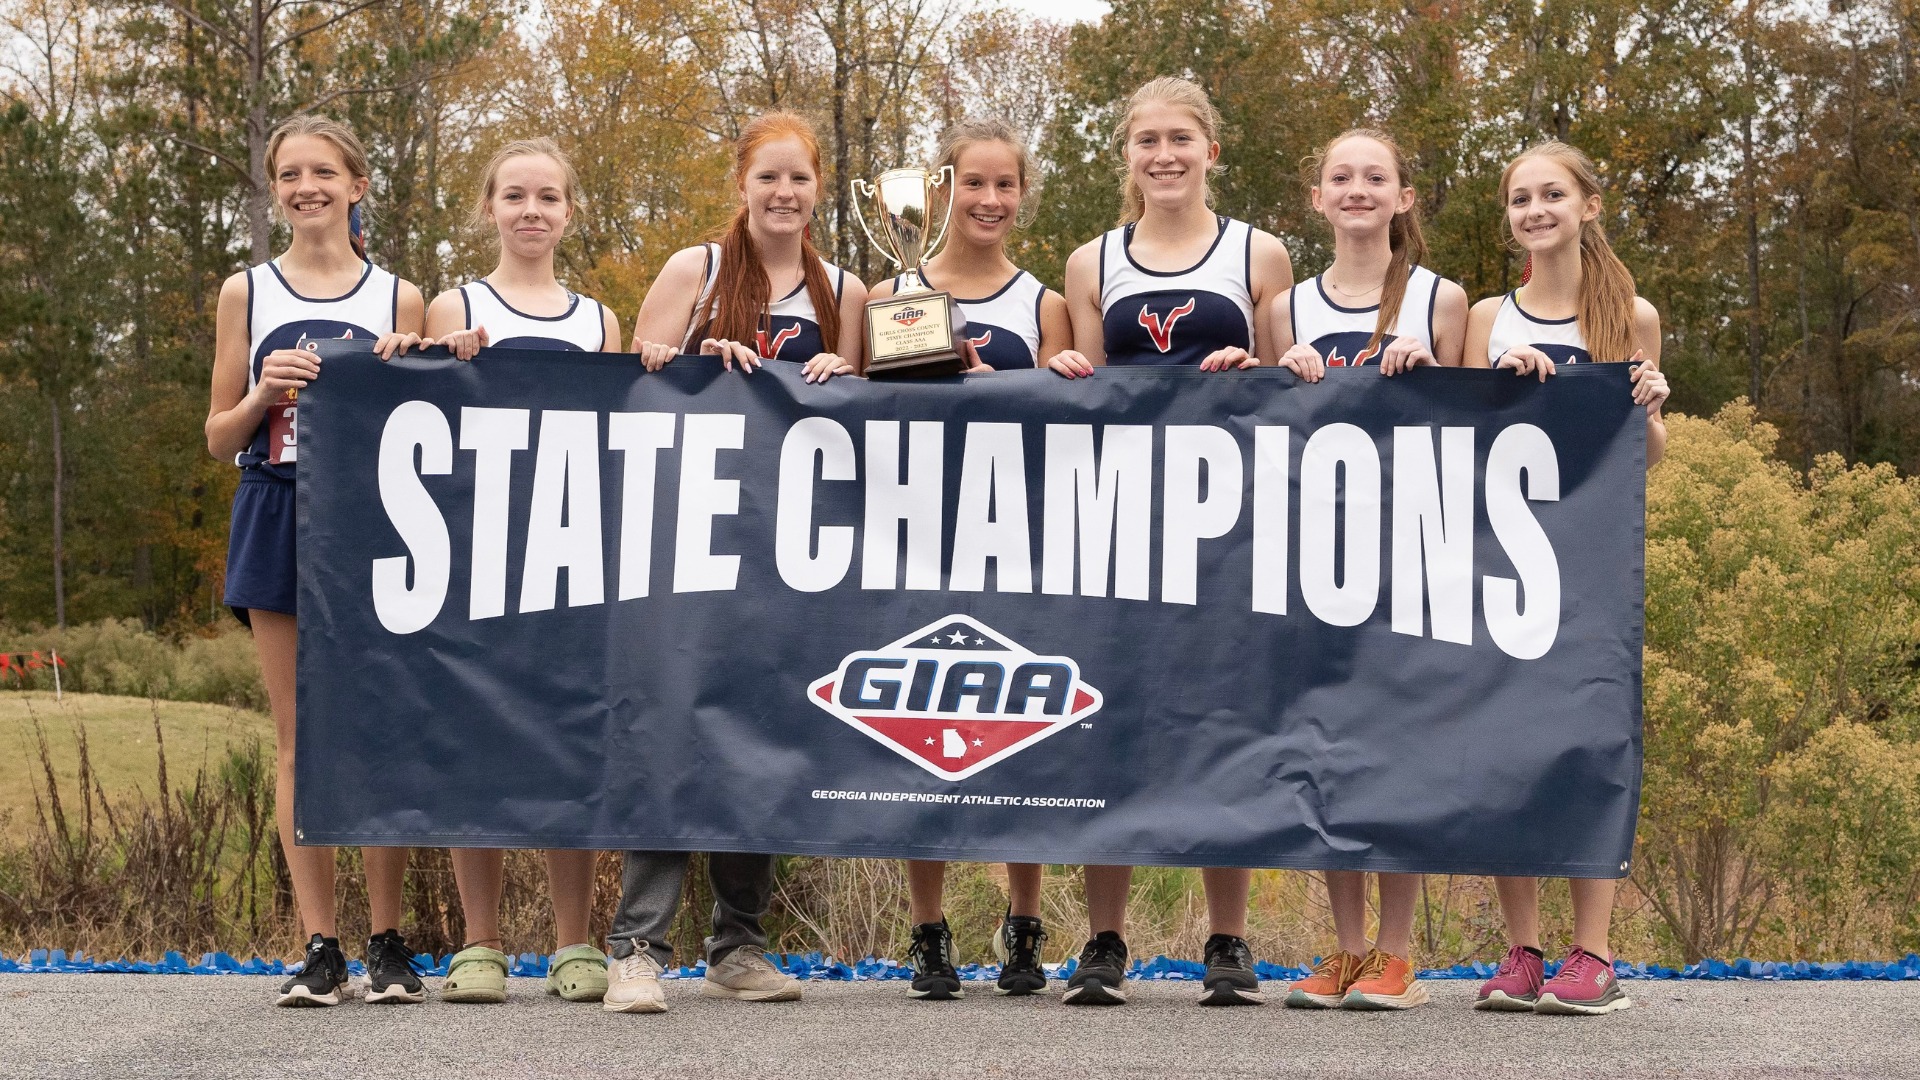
<point x="207" y="1027"/>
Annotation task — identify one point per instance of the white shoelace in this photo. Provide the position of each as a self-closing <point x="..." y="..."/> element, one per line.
<point x="638" y="965"/>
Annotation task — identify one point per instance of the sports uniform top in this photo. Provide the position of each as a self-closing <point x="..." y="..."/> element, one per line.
<point x="1559" y="338"/>
<point x="1340" y="334"/>
<point x="1005" y="327"/>
<point x="1177" y="316"/>
<point x="580" y="328"/>
<point x="280" y="318"/>
<point x="793" y="330"/>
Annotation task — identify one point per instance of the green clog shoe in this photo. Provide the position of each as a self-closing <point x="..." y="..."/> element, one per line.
<point x="578" y="973"/>
<point x="477" y="976"/>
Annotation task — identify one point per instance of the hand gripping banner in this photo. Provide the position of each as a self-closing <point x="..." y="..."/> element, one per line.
<point x="1153" y="616"/>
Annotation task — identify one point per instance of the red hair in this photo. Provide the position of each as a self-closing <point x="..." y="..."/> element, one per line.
<point x="742" y="295"/>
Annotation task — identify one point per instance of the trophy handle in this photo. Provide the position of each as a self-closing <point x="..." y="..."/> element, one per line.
<point x="861" y="216"/>
<point x="943" y="177"/>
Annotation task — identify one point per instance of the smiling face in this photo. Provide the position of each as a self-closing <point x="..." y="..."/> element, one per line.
<point x="1360" y="187"/>
<point x="313" y="185"/>
<point x="1168" y="154"/>
<point x="987" y="191"/>
<point x="1545" y="205"/>
<point x="780" y="187"/>
<point x="529" y="205"/>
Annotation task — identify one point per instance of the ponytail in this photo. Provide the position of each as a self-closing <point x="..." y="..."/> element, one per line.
<point x="1606" y="285"/>
<point x="737" y="308"/>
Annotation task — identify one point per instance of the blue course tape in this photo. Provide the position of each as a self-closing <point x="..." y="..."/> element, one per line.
<point x="814" y="966"/>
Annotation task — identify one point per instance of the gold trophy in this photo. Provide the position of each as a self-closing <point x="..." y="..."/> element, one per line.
<point x="910" y="333"/>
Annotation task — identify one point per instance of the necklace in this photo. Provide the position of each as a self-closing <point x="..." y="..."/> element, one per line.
<point x="1348" y="292"/>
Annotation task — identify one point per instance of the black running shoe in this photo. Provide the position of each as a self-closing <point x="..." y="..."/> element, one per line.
<point x="390" y="971"/>
<point x="322" y="979"/>
<point x="1101" y="977"/>
<point x="1018" y="947"/>
<point x="934" y="978"/>
<point x="1230" y="979"/>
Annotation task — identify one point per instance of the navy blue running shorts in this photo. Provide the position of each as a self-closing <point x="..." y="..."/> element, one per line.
<point x="261" y="571"/>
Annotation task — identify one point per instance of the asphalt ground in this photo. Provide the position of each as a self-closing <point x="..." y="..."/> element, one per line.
<point x="209" y="1027"/>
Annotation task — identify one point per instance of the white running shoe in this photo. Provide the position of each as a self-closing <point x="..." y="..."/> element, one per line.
<point x="633" y="983"/>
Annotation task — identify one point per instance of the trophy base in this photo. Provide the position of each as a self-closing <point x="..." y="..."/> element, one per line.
<point x="911" y="335"/>
<point x="917" y="367"/>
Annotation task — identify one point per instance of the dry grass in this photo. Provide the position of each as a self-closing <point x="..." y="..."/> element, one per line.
<point x="124" y="750"/>
<point x="116" y="850"/>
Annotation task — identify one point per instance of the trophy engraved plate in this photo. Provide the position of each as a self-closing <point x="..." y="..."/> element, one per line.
<point x="910" y="333"/>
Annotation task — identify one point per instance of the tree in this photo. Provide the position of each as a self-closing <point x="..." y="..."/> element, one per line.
<point x="50" y="255"/>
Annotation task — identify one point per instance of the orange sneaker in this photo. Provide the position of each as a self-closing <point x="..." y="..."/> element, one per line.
<point x="1384" y="981"/>
<point x="1327" y="986"/>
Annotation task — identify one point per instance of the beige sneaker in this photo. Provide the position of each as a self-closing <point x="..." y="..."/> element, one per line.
<point x="633" y="983"/>
<point x="745" y="974"/>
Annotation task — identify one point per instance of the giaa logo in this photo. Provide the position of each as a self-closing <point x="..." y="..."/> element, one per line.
<point x="909" y="316"/>
<point x="956" y="696"/>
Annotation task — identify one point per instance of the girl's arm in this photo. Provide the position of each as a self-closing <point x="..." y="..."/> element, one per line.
<point x="667" y="311"/>
<point x="234" y="413"/>
<point x="850" y="359"/>
<point x="447" y="325"/>
<point x="1301" y="359"/>
<point x="1450" y="325"/>
<point x="1650" y="383"/>
<point x="1056" y="327"/>
<point x="1480" y="332"/>
<point x="409" y="319"/>
<point x="609" y="329"/>
<point x="1272" y="278"/>
<point x="1089" y="347"/>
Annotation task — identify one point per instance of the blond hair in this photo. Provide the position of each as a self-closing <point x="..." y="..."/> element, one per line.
<point x="1404" y="236"/>
<point x="1606" y="285"/>
<point x="351" y="152"/>
<point x="993" y="129"/>
<point x="1167" y="89"/>
<point x="523" y="148"/>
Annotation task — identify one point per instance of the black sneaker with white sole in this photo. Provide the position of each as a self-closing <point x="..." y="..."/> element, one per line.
<point x="1101" y="976"/>
<point x="391" y="976"/>
<point x="322" y="979"/>
<point x="1018" y="947"/>
<point x="1230" y="979"/>
<point x="934" y="978"/>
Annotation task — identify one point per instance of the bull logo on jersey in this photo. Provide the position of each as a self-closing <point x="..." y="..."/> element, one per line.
<point x="1161" y="330"/>
<point x="956" y="696"/>
<point x="771" y="349"/>
<point x="981" y="341"/>
<point x="1350" y="348"/>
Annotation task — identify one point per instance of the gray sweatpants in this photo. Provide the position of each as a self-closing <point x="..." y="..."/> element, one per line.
<point x="650" y="885"/>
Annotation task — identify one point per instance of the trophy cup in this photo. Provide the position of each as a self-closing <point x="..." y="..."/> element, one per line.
<point x="910" y="333"/>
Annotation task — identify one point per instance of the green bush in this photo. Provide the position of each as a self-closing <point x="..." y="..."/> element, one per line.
<point x="1782" y="745"/>
<point x="119" y="656"/>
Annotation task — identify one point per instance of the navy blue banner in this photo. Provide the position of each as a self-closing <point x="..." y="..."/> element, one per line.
<point x="1153" y="616"/>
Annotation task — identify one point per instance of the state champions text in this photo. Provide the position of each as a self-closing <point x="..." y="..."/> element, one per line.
<point x="1099" y="506"/>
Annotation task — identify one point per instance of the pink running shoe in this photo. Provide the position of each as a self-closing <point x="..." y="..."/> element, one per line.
<point x="1516" y="986"/>
<point x="1585" y="986"/>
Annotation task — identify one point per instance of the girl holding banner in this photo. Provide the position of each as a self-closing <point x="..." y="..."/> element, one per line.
<point x="528" y="195"/>
<point x="721" y="295"/>
<point x="270" y="318"/>
<point x="1016" y="322"/>
<point x="1175" y="283"/>
<point x="1578" y="305"/>
<point x="1376" y="304"/>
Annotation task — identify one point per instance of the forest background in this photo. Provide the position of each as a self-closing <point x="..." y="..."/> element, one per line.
<point x="1763" y="168"/>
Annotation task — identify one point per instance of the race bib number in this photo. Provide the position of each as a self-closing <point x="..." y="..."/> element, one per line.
<point x="282" y="442"/>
